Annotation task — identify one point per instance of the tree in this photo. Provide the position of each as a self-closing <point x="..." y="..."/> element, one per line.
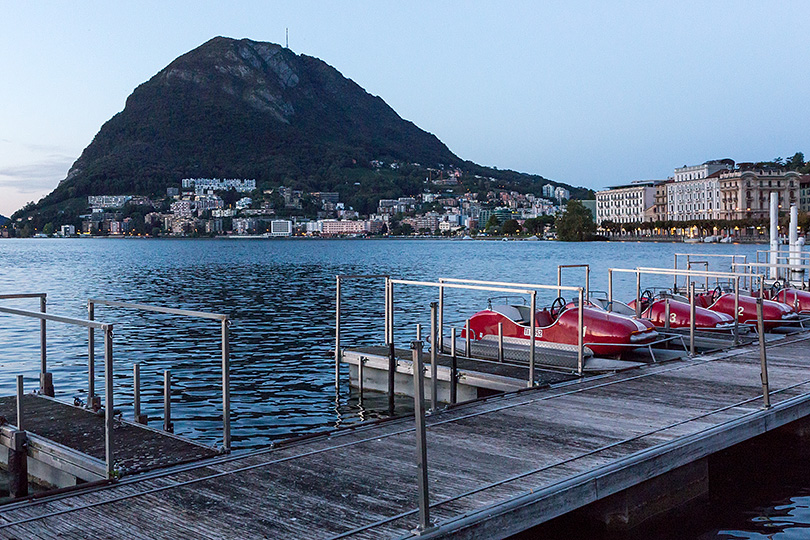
<point x="510" y="226"/>
<point x="48" y="228"/>
<point x="492" y="222"/>
<point x="575" y="224"/>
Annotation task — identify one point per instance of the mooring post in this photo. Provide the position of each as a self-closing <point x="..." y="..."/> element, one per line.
<point x="108" y="399"/>
<point x="453" y="367"/>
<point x="418" y="332"/>
<point x="18" y="452"/>
<point x="45" y="378"/>
<point x="763" y="360"/>
<point x="421" y="438"/>
<point x="392" y="358"/>
<point x="167" y="402"/>
<point x="136" y="395"/>
<point x="226" y="385"/>
<point x="500" y="342"/>
<point x="434" y="364"/>
<point x="692" y="318"/>
<point x="92" y="401"/>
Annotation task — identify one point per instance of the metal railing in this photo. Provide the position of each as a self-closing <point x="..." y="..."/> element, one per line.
<point x="801" y="269"/>
<point x="45" y="378"/>
<point x="689" y="262"/>
<point x="108" y="370"/>
<point x="587" y="268"/>
<point x="533" y="288"/>
<point x="225" y="348"/>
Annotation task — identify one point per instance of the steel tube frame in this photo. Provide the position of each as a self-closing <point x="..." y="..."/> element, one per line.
<point x="20" y="392"/>
<point x="453" y="368"/>
<point x="136" y="392"/>
<point x="434" y="383"/>
<point x="763" y="360"/>
<point x="91" y="356"/>
<point x="43" y="354"/>
<point x="421" y="438"/>
<point x="225" y="348"/>
<point x="108" y="370"/>
<point x="167" y="401"/>
<point x="692" y="318"/>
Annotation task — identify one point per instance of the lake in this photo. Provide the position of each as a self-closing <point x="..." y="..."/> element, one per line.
<point x="280" y="296"/>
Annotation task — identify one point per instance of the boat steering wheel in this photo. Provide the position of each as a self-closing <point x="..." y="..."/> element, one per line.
<point x="557" y="307"/>
<point x="646" y="297"/>
<point x="717" y="293"/>
<point x="775" y="288"/>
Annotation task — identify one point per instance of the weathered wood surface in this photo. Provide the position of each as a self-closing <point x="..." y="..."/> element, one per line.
<point x="136" y="449"/>
<point x="496" y="466"/>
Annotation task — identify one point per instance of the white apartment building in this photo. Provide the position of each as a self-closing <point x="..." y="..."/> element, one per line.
<point x="695" y="192"/>
<point x="346" y="226"/>
<point x="280" y="227"/>
<point x="631" y="203"/>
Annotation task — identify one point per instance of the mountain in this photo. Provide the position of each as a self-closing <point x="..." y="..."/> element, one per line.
<point x="3" y="219"/>
<point x="246" y="109"/>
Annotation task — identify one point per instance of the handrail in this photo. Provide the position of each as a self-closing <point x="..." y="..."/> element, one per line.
<point x="23" y="295"/>
<point x="225" y="347"/>
<point x="160" y="309"/>
<point x="55" y="318"/>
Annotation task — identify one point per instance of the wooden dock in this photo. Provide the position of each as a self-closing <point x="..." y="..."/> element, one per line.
<point x="69" y="441"/>
<point x="496" y="466"/>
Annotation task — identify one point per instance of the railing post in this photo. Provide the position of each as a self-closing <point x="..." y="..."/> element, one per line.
<point x="638" y="294"/>
<point x="666" y="314"/>
<point x="736" y="310"/>
<point x="763" y="361"/>
<point x="467" y="337"/>
<point x="692" y="318"/>
<point x="91" y="357"/>
<point x="167" y="402"/>
<point x="385" y="307"/>
<point x="18" y="452"/>
<point x="421" y="438"/>
<point x="559" y="281"/>
<point x="337" y="334"/>
<point x="418" y="332"/>
<point x="20" y="392"/>
<point x="532" y="325"/>
<point x="226" y="385"/>
<point x="581" y="336"/>
<point x="500" y="342"/>
<point x="45" y="378"/>
<point x="108" y="399"/>
<point x="453" y="367"/>
<point x="587" y="283"/>
<point x="440" y="337"/>
<point x="434" y="364"/>
<point x="136" y="395"/>
<point x="392" y="358"/>
<point x="610" y="289"/>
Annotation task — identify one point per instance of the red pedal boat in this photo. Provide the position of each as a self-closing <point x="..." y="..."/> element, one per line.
<point x="773" y="313"/>
<point x="605" y="333"/>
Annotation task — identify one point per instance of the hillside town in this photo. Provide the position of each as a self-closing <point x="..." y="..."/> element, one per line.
<point x="719" y="196"/>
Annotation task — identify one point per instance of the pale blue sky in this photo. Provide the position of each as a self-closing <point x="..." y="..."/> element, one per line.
<point x="588" y="93"/>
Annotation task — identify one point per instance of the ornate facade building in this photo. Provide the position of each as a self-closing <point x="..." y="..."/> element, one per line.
<point x="746" y="193"/>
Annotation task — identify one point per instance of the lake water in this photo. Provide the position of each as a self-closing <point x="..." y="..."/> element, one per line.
<point x="280" y="296"/>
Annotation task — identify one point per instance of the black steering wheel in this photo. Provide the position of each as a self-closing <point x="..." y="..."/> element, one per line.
<point x="646" y="297"/>
<point x="557" y="307"/>
<point x="717" y="293"/>
<point x="775" y="288"/>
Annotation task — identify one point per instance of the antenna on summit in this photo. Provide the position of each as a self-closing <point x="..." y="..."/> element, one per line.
<point x="287" y="38"/>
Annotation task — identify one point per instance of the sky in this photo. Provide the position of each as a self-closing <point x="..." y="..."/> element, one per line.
<point x="587" y="93"/>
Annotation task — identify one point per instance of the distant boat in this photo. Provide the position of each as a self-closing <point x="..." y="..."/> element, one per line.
<point x="531" y="238"/>
<point x="467" y="237"/>
<point x="726" y="240"/>
<point x="692" y="240"/>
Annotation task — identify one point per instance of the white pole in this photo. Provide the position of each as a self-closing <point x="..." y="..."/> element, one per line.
<point x="774" y="230"/>
<point x="795" y="275"/>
